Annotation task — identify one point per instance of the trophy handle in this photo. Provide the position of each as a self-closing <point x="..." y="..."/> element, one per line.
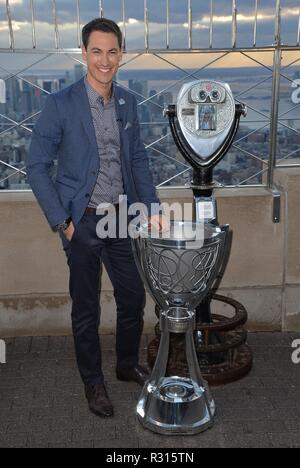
<point x="224" y="258"/>
<point x="216" y="268"/>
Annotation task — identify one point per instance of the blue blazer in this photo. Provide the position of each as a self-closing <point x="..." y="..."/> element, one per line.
<point x="65" y="130"/>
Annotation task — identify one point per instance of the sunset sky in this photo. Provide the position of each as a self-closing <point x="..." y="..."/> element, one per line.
<point x="21" y="15"/>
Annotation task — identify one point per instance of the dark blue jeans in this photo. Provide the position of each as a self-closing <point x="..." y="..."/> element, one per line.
<point x="85" y="253"/>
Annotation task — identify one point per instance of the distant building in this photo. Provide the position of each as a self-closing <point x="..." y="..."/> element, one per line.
<point x="79" y="71"/>
<point x="140" y="87"/>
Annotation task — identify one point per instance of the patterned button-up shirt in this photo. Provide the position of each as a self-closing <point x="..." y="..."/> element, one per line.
<point x="109" y="185"/>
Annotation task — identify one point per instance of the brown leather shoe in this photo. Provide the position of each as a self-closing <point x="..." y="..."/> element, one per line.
<point x="134" y="374"/>
<point x="98" y="400"/>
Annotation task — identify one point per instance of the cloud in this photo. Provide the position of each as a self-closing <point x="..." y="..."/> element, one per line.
<point x="135" y="29"/>
<point x="135" y="9"/>
<point x="243" y="18"/>
<point x="12" y="2"/>
<point x="157" y="15"/>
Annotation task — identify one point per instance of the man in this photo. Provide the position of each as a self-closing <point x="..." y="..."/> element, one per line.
<point x="92" y="128"/>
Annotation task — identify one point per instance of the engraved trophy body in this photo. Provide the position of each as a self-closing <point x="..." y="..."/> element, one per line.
<point x="178" y="269"/>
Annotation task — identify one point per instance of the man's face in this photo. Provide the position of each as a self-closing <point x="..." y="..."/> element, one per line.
<point x="102" y="56"/>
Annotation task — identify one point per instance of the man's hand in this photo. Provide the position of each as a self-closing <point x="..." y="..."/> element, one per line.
<point x="160" y="222"/>
<point x="69" y="232"/>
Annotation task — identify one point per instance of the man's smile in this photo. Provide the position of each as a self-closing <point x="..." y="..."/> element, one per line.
<point x="104" y="70"/>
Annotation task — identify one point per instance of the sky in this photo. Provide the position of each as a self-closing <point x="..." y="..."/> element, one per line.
<point x="89" y="9"/>
<point x="135" y="8"/>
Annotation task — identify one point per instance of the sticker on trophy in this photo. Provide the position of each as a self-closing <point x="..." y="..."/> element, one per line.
<point x="2" y="92"/>
<point x="206" y="210"/>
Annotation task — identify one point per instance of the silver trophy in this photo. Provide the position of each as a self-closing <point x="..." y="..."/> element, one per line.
<point x="181" y="266"/>
<point x="178" y="268"/>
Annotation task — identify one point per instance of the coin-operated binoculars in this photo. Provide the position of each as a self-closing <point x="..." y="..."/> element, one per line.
<point x="180" y="267"/>
<point x="204" y="124"/>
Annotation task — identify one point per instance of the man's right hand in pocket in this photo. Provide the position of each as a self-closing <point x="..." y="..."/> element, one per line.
<point x="69" y="232"/>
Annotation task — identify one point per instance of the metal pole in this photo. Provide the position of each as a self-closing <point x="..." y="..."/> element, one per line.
<point x="275" y="95"/>
<point x="274" y="115"/>
<point x="146" y="18"/>
<point x="33" y="24"/>
<point x="255" y="24"/>
<point x="298" y="35"/>
<point x="190" y="24"/>
<point x="211" y="28"/>
<point x="78" y="23"/>
<point x="287" y="166"/>
<point x="168" y="24"/>
<point x="141" y="51"/>
<point x="10" y="26"/>
<point x="278" y="24"/>
<point x="101" y="9"/>
<point x="56" y="33"/>
<point x="234" y="24"/>
<point x="124" y="24"/>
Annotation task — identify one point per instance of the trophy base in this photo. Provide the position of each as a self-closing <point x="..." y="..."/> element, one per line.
<point x="176" y="406"/>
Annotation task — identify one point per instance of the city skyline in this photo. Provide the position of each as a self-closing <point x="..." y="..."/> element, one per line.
<point x="24" y="99"/>
<point x="155" y="78"/>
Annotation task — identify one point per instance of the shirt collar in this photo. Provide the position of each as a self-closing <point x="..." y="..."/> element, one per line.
<point x="93" y="95"/>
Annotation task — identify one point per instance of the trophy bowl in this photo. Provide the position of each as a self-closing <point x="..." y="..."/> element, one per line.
<point x="178" y="268"/>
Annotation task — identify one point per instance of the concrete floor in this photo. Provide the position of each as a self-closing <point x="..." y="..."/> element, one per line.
<point x="42" y="403"/>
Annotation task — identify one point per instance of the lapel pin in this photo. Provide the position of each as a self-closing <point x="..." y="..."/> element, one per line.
<point x="122" y="102"/>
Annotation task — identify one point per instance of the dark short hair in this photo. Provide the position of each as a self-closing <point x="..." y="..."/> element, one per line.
<point x="104" y="25"/>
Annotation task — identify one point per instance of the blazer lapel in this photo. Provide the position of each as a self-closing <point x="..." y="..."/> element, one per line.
<point x="120" y="103"/>
<point x="84" y="112"/>
<point x="121" y="107"/>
